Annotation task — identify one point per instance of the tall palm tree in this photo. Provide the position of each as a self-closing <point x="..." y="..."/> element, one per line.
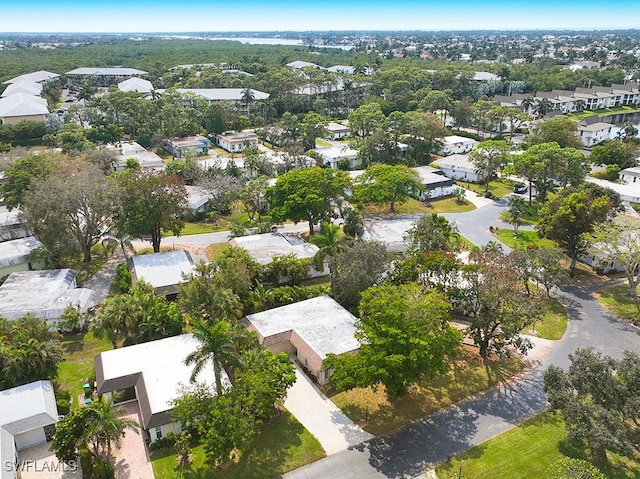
<point x="330" y="244"/>
<point x="247" y="98"/>
<point x="107" y="426"/>
<point x="542" y="107"/>
<point x="110" y="321"/>
<point x="218" y="345"/>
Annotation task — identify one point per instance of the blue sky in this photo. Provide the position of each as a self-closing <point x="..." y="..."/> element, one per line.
<point x="268" y="15"/>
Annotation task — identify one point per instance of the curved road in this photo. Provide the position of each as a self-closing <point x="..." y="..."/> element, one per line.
<point x="416" y="447"/>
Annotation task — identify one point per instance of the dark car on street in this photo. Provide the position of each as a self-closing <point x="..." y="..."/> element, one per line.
<point x="520" y="188"/>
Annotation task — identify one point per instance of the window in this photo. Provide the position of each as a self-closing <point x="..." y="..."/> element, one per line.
<point x="158" y="432"/>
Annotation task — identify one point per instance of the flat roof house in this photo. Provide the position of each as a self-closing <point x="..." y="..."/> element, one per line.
<point x="454" y="145"/>
<point x="630" y="175"/>
<point x="434" y="182"/>
<point x="15" y="254"/>
<point x="28" y="415"/>
<point x="458" y="167"/>
<point x="152" y="374"/>
<point x="130" y="149"/>
<point x="308" y="331"/>
<point x="45" y="294"/>
<point x="197" y="145"/>
<point x="213" y="95"/>
<point x="163" y="270"/>
<point x="333" y="155"/>
<point x="234" y="142"/>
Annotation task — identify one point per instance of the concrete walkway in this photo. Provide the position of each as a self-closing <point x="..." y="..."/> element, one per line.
<point x="328" y="424"/>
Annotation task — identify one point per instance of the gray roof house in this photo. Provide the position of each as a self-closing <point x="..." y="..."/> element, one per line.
<point x="139" y="85"/>
<point x="45" y="294"/>
<point x="221" y="94"/>
<point x="41" y="76"/>
<point x="164" y="271"/>
<point x="28" y="415"/>
<point x="308" y="331"/>
<point x="15" y="254"/>
<point x="19" y="107"/>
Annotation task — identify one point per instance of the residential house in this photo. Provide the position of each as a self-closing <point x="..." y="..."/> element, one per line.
<point x="234" y="142"/>
<point x="458" y="167"/>
<point x="394" y="233"/>
<point x="11" y="225"/>
<point x="103" y="76"/>
<point x="20" y="106"/>
<point x="151" y="374"/>
<point x="197" y="145"/>
<point x="334" y="156"/>
<point x="45" y="294"/>
<point x="299" y="65"/>
<point x="455" y="145"/>
<point x="337" y="131"/>
<point x="630" y="175"/>
<point x="41" y="76"/>
<point x="15" y="254"/>
<point x="308" y="331"/>
<point x="213" y="95"/>
<point x="25" y="87"/>
<point x="163" y="271"/>
<point x="434" y="182"/>
<point x="263" y="247"/>
<point x="130" y="149"/>
<point x="197" y="198"/>
<point x="593" y="131"/>
<point x="136" y="84"/>
<point x="28" y="416"/>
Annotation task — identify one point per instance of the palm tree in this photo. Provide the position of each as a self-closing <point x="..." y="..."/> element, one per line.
<point x="527" y="104"/>
<point x="110" y="322"/>
<point x="579" y="104"/>
<point x="517" y="208"/>
<point x="247" y="98"/>
<point x="542" y="107"/>
<point x="107" y="427"/>
<point x="330" y="244"/>
<point x="116" y="238"/>
<point x="218" y="345"/>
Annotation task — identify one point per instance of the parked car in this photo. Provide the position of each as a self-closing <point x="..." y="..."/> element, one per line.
<point x="520" y="188"/>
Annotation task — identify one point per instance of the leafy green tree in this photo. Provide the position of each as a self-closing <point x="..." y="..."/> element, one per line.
<point x="357" y="268"/>
<point x="432" y="269"/>
<point x="495" y="299"/>
<point x="559" y="129"/>
<point x="29" y="351"/>
<point x="366" y="119"/>
<point x="110" y="320"/>
<point x="574" y="212"/>
<point x="618" y="242"/>
<point x="615" y="152"/>
<point x="598" y="400"/>
<point x="515" y="213"/>
<point x="252" y="197"/>
<point x="287" y="268"/>
<point x="312" y="126"/>
<point x="405" y="336"/>
<point x="571" y="468"/>
<point x="78" y="207"/>
<point x="490" y="156"/>
<point x="152" y="203"/>
<point x="312" y="195"/>
<point x="432" y="232"/>
<point x="353" y="225"/>
<point x="382" y="184"/>
<point x="19" y="176"/>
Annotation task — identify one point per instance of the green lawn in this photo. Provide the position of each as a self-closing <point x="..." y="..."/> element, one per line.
<point x="525" y="452"/>
<point x="213" y="250"/>
<point x="283" y="445"/>
<point x="468" y="375"/>
<point x="524" y="238"/>
<point x="554" y="322"/>
<point x="193" y="228"/>
<point x="413" y="206"/>
<point x="320" y="143"/>
<point x="615" y="299"/>
<point x="499" y="187"/>
<point x="77" y="366"/>
<point x="603" y="112"/>
<point x="530" y="216"/>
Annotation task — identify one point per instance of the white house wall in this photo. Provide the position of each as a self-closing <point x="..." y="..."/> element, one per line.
<point x="30" y="438"/>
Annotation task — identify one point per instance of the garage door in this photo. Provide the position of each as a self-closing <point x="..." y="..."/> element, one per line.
<point x="30" y="438"/>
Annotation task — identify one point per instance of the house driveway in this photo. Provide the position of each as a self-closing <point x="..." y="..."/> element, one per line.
<point x="328" y="424"/>
<point x="132" y="459"/>
<point x="38" y="462"/>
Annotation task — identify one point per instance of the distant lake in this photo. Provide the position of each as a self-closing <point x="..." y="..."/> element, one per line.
<point x="277" y="41"/>
<point x="619" y="120"/>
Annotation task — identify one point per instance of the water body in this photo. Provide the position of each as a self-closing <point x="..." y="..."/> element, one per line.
<point x="277" y="41"/>
<point x="618" y="120"/>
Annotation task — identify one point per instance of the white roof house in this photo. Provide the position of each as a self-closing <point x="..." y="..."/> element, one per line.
<point x="454" y="144"/>
<point x="337" y="131"/>
<point x="20" y="106"/>
<point x="125" y="150"/>
<point x="264" y="247"/>
<point x="392" y="232"/>
<point x="299" y="65"/>
<point x="37" y="77"/>
<point x="106" y="71"/>
<point x="458" y="167"/>
<point x="434" y="182"/>
<point x="25" y="87"/>
<point x="164" y="271"/>
<point x="27" y="414"/>
<point x="332" y="155"/>
<point x="45" y="294"/>
<point x="222" y="94"/>
<point x="197" y="197"/>
<point x="136" y="84"/>
<point x="309" y="330"/>
<point x="154" y="370"/>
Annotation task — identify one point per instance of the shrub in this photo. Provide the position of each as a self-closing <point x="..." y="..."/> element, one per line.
<point x="63" y="406"/>
<point x="123" y="278"/>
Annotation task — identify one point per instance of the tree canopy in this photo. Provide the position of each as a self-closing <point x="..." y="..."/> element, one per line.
<point x="386" y="184"/>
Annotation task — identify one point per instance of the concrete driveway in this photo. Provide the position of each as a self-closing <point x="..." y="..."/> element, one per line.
<point x="38" y="462"/>
<point x="132" y="459"/>
<point x="328" y="424"/>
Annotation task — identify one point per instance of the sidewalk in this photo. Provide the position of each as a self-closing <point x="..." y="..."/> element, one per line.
<point x="328" y="424"/>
